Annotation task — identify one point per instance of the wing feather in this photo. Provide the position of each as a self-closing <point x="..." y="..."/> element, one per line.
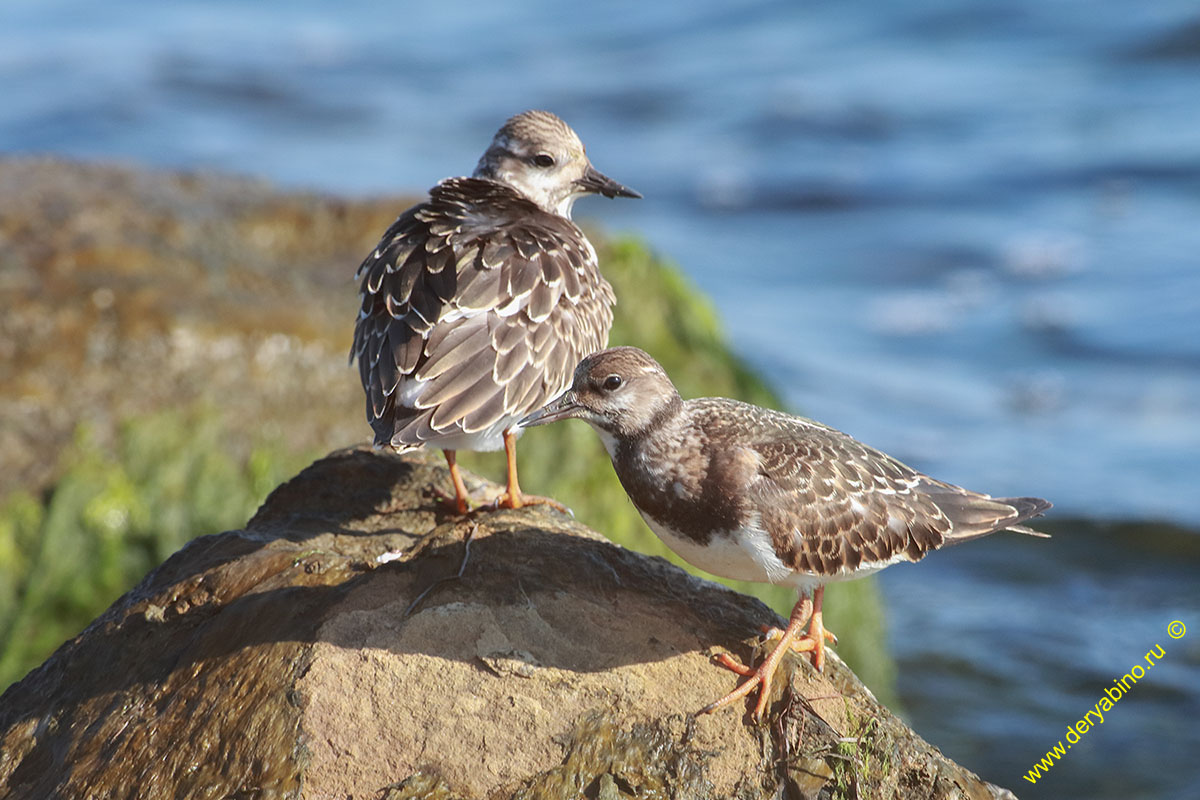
<point x="831" y="504"/>
<point x="463" y="340"/>
<point x="475" y="308"/>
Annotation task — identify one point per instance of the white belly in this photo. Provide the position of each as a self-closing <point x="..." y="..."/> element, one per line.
<point x="749" y="555"/>
<point x="746" y="556"/>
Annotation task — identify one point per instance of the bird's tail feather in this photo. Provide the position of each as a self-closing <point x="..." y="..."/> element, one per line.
<point x="976" y="515"/>
<point x="1027" y="508"/>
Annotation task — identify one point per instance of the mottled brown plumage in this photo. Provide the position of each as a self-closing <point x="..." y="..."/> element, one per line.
<point x="477" y="304"/>
<point x="755" y="494"/>
<point x="433" y="300"/>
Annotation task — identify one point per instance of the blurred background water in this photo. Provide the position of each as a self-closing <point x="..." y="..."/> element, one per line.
<point x="967" y="233"/>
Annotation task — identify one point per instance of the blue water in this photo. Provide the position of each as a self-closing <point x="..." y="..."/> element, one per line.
<point x="967" y="233"/>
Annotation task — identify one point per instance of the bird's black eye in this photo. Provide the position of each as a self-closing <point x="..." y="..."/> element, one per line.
<point x="612" y="383"/>
<point x="543" y="160"/>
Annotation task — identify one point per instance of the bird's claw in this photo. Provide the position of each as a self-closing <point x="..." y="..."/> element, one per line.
<point x="504" y="500"/>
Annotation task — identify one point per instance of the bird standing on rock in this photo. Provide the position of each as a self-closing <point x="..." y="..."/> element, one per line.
<point x="753" y="494"/>
<point x="479" y="302"/>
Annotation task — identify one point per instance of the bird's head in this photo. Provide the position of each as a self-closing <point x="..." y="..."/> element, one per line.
<point x="622" y="392"/>
<point x="541" y="157"/>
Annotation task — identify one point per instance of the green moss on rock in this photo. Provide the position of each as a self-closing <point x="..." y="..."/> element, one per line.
<point x="116" y="513"/>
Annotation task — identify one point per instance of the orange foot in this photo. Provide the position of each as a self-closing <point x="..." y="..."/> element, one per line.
<point x="459" y="504"/>
<point x="813" y="641"/>
<point x="790" y="639"/>
<point x="462" y="504"/>
<point x="512" y="497"/>
<point x="461" y="499"/>
<point x="505" y="500"/>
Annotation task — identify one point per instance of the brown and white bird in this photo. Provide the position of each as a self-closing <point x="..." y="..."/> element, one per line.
<point x="478" y="303"/>
<point x="758" y="495"/>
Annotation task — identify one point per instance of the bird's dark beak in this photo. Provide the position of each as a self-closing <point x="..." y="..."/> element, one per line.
<point x="597" y="182"/>
<point x="564" y="407"/>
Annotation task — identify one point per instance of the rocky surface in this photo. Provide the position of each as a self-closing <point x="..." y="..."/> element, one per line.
<point x="541" y="661"/>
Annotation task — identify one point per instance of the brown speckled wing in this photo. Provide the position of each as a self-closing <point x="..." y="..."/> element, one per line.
<point x="831" y="504"/>
<point x="476" y="307"/>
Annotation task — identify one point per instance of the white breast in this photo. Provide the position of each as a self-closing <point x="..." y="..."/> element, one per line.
<point x="744" y="555"/>
<point x="748" y="555"/>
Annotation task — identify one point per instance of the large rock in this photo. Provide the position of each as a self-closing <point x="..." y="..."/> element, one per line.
<point x="541" y="661"/>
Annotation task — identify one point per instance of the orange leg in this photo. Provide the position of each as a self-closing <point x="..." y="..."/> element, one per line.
<point x="512" y="497"/>
<point x="817" y="635"/>
<point x="789" y="639"/>
<point x="461" y="497"/>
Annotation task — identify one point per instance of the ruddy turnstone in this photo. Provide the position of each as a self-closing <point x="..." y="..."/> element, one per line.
<point x="478" y="303"/>
<point x="753" y="494"/>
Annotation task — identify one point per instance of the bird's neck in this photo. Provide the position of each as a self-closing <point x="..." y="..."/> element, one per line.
<point x="563" y="209"/>
<point x="646" y="444"/>
<point x="491" y="171"/>
<point x="665" y="472"/>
